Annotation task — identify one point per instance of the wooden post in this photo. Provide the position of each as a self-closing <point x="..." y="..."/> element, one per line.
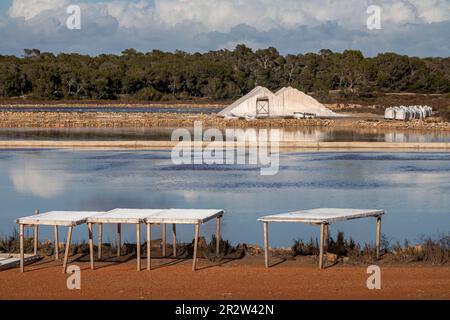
<point x="36" y="235"/>
<point x="66" y="253"/>
<point x="194" y="262"/>
<point x="149" y="248"/>
<point x="118" y="239"/>
<point x="138" y="246"/>
<point x="91" y="246"/>
<point x="378" y="241"/>
<point x="266" y="244"/>
<point x="174" y="240"/>
<point x="322" y="231"/>
<point x="163" y="239"/>
<point x="218" y="236"/>
<point x="100" y="240"/>
<point x="327" y="238"/>
<point x="56" y="243"/>
<point x="21" y="249"/>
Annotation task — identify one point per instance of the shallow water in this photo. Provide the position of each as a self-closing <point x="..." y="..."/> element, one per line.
<point x="413" y="188"/>
<point x="112" y="109"/>
<point x="288" y="134"/>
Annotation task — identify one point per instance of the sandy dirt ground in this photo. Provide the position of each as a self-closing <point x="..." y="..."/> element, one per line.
<point x="239" y="279"/>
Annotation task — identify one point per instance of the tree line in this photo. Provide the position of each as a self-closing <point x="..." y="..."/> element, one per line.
<point x="222" y="74"/>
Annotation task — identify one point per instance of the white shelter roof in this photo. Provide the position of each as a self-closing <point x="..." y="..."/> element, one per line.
<point x="59" y="218"/>
<point x="184" y="216"/>
<point x="322" y="215"/>
<point x="123" y="216"/>
<point x="73" y="218"/>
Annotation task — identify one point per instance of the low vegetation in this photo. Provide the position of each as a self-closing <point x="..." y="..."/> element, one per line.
<point x="428" y="250"/>
<point x="10" y="244"/>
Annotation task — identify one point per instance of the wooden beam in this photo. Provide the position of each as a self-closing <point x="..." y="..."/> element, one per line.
<point x="174" y="239"/>
<point x="21" y="249"/>
<point x="100" y="240"/>
<point x="149" y="248"/>
<point x="321" y="245"/>
<point x="327" y="238"/>
<point x="36" y="235"/>
<point x="266" y="244"/>
<point x="218" y="236"/>
<point x="163" y="239"/>
<point x="378" y="240"/>
<point x="118" y="239"/>
<point x="138" y="246"/>
<point x="56" y="243"/>
<point x="91" y="246"/>
<point x="194" y="262"/>
<point x="66" y="253"/>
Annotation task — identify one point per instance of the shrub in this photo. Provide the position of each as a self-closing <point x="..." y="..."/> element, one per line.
<point x="436" y="251"/>
<point x="340" y="246"/>
<point x="226" y="249"/>
<point x="149" y="94"/>
<point x="11" y="244"/>
<point x="305" y="249"/>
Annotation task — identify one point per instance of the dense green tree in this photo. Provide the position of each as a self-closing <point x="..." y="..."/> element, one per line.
<point x="221" y="74"/>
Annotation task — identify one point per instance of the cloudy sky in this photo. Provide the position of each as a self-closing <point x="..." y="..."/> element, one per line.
<point x="413" y="27"/>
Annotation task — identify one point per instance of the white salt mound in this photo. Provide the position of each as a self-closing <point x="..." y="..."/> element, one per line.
<point x="284" y="102"/>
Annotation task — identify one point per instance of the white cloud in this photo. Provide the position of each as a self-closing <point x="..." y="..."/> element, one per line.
<point x="29" y="9"/>
<point x="192" y="25"/>
<point x="31" y="178"/>
<point x="432" y="10"/>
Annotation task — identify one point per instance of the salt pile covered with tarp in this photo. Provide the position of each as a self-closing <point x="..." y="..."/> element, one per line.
<point x="287" y="102"/>
<point x="408" y="112"/>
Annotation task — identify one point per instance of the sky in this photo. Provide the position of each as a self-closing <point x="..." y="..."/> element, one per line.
<point x="412" y="27"/>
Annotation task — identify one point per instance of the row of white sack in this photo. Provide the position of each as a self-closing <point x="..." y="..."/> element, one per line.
<point x="408" y="112"/>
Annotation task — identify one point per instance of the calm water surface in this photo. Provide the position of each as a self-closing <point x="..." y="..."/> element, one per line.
<point x="413" y="188"/>
<point x="287" y="134"/>
<point x="113" y="109"/>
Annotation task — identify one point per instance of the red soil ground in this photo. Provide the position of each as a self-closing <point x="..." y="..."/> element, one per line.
<point x="240" y="279"/>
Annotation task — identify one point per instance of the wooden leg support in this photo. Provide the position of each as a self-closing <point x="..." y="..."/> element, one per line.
<point x="266" y="244"/>
<point x="66" y="253"/>
<point x="327" y="238"/>
<point x="194" y="262"/>
<point x="149" y="248"/>
<point x="100" y="240"/>
<point x="218" y="236"/>
<point x="22" y="269"/>
<point x="174" y="240"/>
<point x="36" y="235"/>
<point x="35" y="240"/>
<point x="138" y="246"/>
<point x="118" y="239"/>
<point x="91" y="246"/>
<point x="321" y="245"/>
<point x="56" y="245"/>
<point x="378" y="240"/>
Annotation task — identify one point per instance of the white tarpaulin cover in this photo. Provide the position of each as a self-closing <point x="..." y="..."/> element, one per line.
<point x="322" y="215"/>
<point x="123" y="216"/>
<point x="59" y="218"/>
<point x="184" y="216"/>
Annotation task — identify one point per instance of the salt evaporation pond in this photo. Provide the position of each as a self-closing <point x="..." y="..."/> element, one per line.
<point x="414" y="189"/>
<point x="326" y="134"/>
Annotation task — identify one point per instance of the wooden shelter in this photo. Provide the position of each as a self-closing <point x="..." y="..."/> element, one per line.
<point x="184" y="216"/>
<point x="118" y="217"/>
<point x="323" y="217"/>
<point x="56" y="219"/>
